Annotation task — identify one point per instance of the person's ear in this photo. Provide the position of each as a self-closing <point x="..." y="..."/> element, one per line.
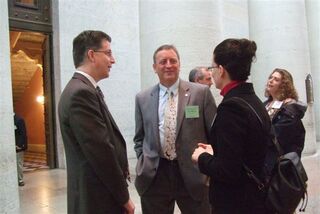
<point x="221" y="71"/>
<point x="90" y="55"/>
<point x="154" y="68"/>
<point x="224" y="72"/>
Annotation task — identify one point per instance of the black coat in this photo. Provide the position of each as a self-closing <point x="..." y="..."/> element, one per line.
<point x="289" y="128"/>
<point x="20" y="134"/>
<point x="237" y="137"/>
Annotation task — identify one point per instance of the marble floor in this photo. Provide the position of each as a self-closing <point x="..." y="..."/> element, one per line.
<point x="45" y="190"/>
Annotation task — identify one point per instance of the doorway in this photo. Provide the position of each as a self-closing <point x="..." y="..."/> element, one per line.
<point x="32" y="74"/>
<point x="31" y="91"/>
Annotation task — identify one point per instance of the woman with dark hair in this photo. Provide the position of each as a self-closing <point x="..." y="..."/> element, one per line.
<point x="285" y="111"/>
<point x="237" y="136"/>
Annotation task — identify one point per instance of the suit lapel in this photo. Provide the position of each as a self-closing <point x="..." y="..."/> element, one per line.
<point x="109" y="114"/>
<point x="184" y="97"/>
<point x="103" y="105"/>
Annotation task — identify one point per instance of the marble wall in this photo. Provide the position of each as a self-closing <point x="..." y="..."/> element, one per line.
<point x="9" y="197"/>
<point x="119" y="19"/>
<point x="194" y="27"/>
<point x="287" y="36"/>
<point x="282" y="41"/>
<point x="313" y="17"/>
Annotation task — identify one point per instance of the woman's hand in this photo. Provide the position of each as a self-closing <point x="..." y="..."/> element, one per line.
<point x="197" y="152"/>
<point x="201" y="149"/>
<point x="206" y="147"/>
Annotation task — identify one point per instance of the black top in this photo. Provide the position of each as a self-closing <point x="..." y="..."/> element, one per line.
<point x="288" y="126"/>
<point x="20" y="134"/>
<point x="237" y="137"/>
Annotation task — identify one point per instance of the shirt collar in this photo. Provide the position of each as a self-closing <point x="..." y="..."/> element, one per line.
<point x="90" y="78"/>
<point x="230" y="86"/>
<point x="173" y="88"/>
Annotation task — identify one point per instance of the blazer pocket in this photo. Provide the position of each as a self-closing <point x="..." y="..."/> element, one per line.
<point x="139" y="167"/>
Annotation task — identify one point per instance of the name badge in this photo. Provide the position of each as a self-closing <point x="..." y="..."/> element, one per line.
<point x="277" y="104"/>
<point x="192" y="111"/>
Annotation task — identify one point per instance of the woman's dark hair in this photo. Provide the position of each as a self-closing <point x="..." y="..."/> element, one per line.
<point x="89" y="39"/>
<point x="286" y="88"/>
<point x="236" y="56"/>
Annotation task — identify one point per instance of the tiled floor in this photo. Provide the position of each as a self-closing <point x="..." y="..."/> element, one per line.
<point x="34" y="161"/>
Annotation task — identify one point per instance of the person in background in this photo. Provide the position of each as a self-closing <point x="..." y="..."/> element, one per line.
<point x="285" y="111"/>
<point x="201" y="75"/>
<point x="237" y="136"/>
<point x="97" y="164"/>
<point x="171" y="118"/>
<point x="20" y="132"/>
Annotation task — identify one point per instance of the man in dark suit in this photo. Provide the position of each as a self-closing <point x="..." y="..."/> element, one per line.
<point x="171" y="118"/>
<point x="20" y="132"/>
<point x="97" y="165"/>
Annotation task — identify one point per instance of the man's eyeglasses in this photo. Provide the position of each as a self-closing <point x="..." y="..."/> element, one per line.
<point x="106" y="52"/>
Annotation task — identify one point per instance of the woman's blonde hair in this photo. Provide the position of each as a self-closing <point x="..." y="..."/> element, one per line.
<point x="287" y="89"/>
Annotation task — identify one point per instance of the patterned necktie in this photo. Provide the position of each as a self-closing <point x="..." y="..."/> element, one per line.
<point x="170" y="122"/>
<point x="100" y="92"/>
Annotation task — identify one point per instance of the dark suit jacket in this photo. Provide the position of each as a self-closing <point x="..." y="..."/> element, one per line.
<point x="237" y="137"/>
<point x="95" y="151"/>
<point x="20" y="133"/>
<point x="189" y="133"/>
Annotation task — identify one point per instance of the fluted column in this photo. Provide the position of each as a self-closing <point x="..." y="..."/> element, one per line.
<point x="280" y="30"/>
<point x="9" y="197"/>
<point x="313" y="17"/>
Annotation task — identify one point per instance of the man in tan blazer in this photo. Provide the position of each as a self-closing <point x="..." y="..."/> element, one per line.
<point x="171" y="118"/>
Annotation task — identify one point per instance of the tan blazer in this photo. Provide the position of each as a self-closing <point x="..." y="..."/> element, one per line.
<point x="189" y="133"/>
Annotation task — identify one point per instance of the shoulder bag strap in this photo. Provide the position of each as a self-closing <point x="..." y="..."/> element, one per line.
<point x="249" y="172"/>
<point x="274" y="139"/>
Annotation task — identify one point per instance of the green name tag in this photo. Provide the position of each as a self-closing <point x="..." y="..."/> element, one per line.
<point x="192" y="111"/>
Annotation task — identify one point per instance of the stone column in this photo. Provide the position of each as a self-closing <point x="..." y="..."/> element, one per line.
<point x="189" y="25"/>
<point x="313" y="17"/>
<point x="280" y="31"/>
<point x="9" y="196"/>
<point x="194" y="27"/>
<point x="119" y="19"/>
